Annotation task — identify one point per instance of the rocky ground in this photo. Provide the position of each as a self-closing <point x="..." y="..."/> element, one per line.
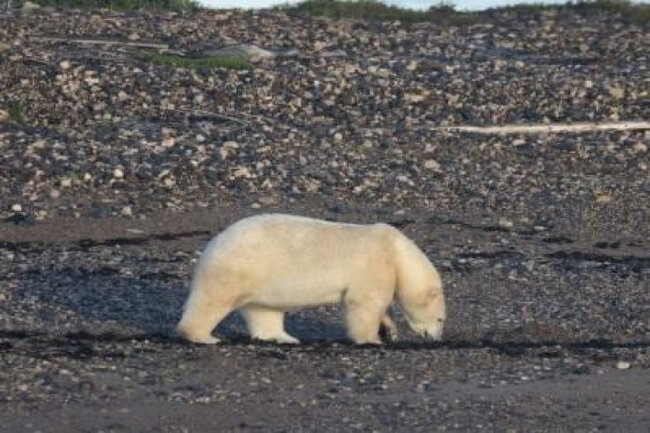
<point x="115" y="172"/>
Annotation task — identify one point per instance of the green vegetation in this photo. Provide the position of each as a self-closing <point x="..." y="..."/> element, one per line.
<point x="225" y="61"/>
<point x="638" y="13"/>
<point x="16" y="113"/>
<point x="530" y="7"/>
<point x="373" y="10"/>
<point x="446" y="13"/>
<point x="173" y="5"/>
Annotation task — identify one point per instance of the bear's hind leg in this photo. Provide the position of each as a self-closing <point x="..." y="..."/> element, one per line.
<point x="266" y="324"/>
<point x="200" y="317"/>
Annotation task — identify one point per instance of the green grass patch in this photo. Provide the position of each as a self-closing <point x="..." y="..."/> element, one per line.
<point x="374" y="10"/>
<point x="529" y="7"/>
<point x="166" y="5"/>
<point x="637" y="13"/>
<point x="213" y="62"/>
<point x="16" y="113"/>
<point x="445" y="13"/>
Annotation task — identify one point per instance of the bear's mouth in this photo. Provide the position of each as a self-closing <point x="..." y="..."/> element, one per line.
<point x="429" y="332"/>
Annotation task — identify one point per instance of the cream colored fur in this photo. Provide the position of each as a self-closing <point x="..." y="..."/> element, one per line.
<point x="266" y="265"/>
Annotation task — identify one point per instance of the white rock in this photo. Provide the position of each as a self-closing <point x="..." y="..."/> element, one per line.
<point x="127" y="211"/>
<point x="118" y="173"/>
<point x="66" y="182"/>
<point x="623" y="365"/>
<point x="65" y="65"/>
<point x="241" y="172"/>
<point x="30" y="6"/>
<point x="431" y="164"/>
<point x="17" y="208"/>
<point x="412" y="66"/>
<point x="319" y="45"/>
<point x="640" y="148"/>
<point x="506" y="223"/>
<point x="168" y="142"/>
<point x="414" y="98"/>
<point x="616" y="91"/>
<point x="499" y="64"/>
<point x="604" y="198"/>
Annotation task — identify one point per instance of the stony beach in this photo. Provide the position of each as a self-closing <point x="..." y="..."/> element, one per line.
<point x="115" y="171"/>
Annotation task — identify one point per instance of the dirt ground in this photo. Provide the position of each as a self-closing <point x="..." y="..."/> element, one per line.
<point x="115" y="171"/>
<point x="546" y="332"/>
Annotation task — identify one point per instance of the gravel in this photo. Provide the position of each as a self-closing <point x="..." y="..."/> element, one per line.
<point x="114" y="174"/>
<point x="104" y="123"/>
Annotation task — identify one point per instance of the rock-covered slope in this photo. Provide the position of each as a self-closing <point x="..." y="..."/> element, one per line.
<point x="350" y="114"/>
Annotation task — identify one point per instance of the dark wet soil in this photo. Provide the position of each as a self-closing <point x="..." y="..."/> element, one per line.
<point x="547" y="331"/>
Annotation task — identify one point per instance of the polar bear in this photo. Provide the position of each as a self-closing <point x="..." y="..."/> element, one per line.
<point x="266" y="265"/>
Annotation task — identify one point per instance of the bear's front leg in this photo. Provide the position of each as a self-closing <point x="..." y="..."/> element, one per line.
<point x="363" y="323"/>
<point x="388" y="329"/>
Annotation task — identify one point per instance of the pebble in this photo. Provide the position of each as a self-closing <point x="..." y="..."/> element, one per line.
<point x="616" y="91"/>
<point x="364" y="121"/>
<point x="431" y="164"/>
<point x="168" y="142"/>
<point x="412" y="66"/>
<point x="16" y="208"/>
<point x="506" y="223"/>
<point x="623" y="365"/>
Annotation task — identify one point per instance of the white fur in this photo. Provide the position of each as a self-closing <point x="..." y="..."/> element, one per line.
<point x="266" y="265"/>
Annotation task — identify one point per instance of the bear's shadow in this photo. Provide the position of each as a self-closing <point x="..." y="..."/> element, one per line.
<point x="98" y="302"/>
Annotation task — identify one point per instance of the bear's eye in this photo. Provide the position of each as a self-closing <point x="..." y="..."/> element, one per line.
<point x="440" y="320"/>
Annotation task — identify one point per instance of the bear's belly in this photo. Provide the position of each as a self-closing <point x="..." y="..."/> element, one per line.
<point x="295" y="295"/>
